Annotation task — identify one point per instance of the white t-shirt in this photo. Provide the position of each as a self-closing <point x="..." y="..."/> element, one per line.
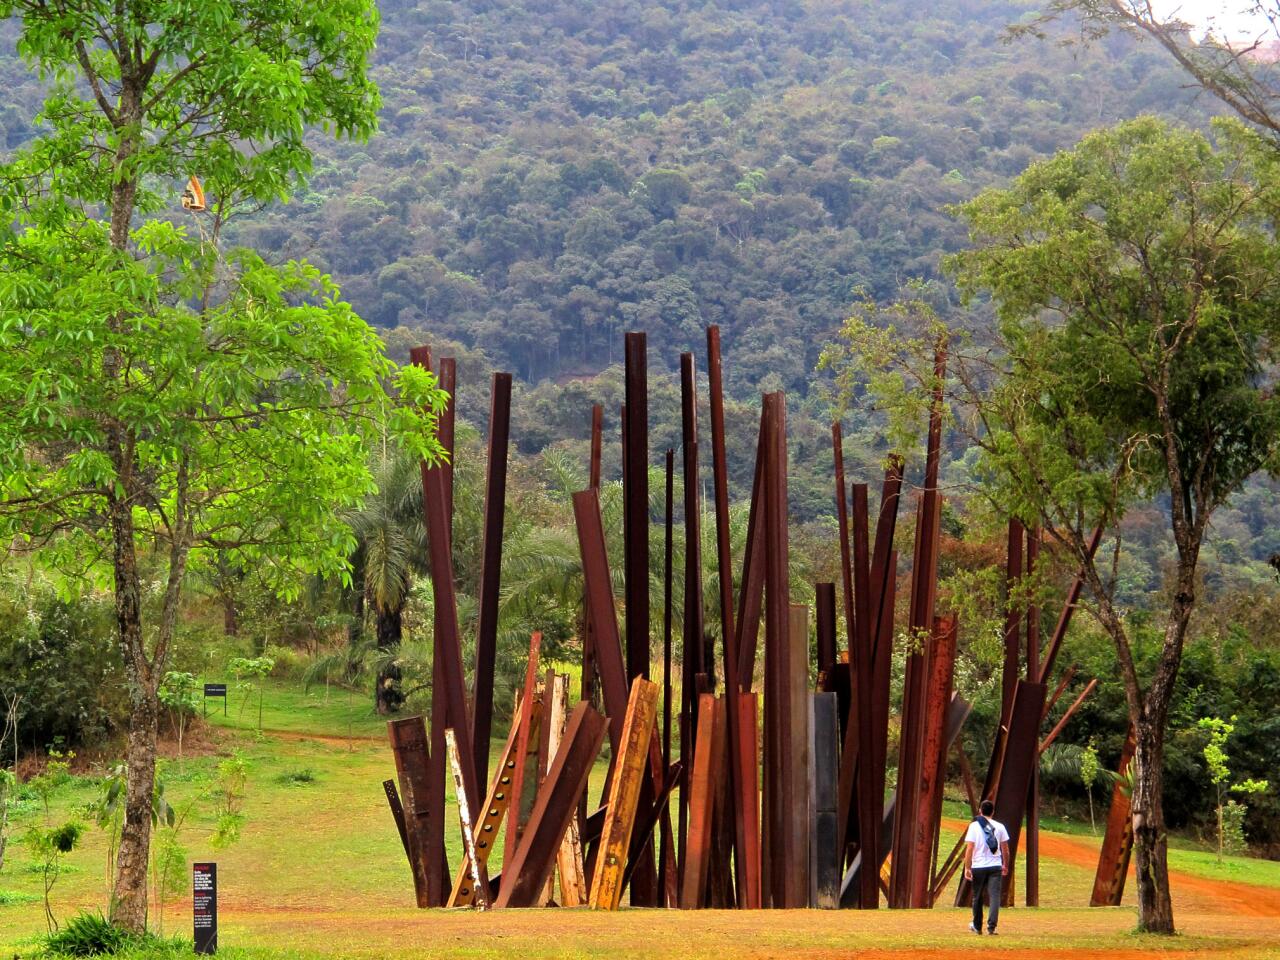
<point x="982" y="855"/>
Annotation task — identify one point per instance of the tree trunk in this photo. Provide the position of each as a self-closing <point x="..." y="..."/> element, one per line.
<point x="1155" y="907"/>
<point x="129" y="898"/>
<point x="387" y="695"/>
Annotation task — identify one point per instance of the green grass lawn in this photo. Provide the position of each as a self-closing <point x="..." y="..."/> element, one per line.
<point x="319" y="871"/>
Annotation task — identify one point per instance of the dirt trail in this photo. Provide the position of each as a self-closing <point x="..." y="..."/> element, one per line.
<point x="1218" y="896"/>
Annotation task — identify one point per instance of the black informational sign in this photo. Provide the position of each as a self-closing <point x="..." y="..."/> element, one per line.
<point x="216" y="690"/>
<point x="204" y="906"/>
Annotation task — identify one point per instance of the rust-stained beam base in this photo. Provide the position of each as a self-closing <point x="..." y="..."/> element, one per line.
<point x="555" y="805"/>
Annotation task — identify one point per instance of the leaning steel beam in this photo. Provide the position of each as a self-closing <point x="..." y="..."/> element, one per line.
<point x="479" y="883"/>
<point x="1012" y="620"/>
<point x="601" y="611"/>
<point x="497" y="803"/>
<point x="1068" y="608"/>
<point x="751" y="596"/>
<point x="495" y="498"/>
<point x="397" y="814"/>
<point x="1066" y="716"/>
<point x="1117" y="843"/>
<point x="525" y="708"/>
<point x="624" y="794"/>
<point x="557" y="800"/>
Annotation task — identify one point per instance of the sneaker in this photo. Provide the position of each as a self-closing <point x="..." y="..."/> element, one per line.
<point x="992" y="933"/>
<point x="973" y="929"/>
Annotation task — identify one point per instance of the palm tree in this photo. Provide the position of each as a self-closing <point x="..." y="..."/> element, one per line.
<point x="391" y="540"/>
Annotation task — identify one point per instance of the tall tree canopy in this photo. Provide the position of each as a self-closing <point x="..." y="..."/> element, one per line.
<point x="159" y="397"/>
<point x="1136" y="283"/>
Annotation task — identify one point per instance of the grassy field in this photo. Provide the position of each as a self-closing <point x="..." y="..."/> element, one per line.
<point x="318" y="872"/>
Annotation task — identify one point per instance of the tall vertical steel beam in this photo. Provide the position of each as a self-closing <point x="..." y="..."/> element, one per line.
<point x="636" y="507"/>
<point x="746" y="865"/>
<point x="842" y="524"/>
<point x="937" y="701"/>
<point x="667" y="855"/>
<point x="495" y="501"/>
<point x="696" y="660"/>
<point x="434" y="785"/>
<point x="1012" y="620"/>
<point x="825" y="603"/>
<point x="1032" y="859"/>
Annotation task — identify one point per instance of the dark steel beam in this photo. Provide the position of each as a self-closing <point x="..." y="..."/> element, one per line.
<point x="495" y="502"/>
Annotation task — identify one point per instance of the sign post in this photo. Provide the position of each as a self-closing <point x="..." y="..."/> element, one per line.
<point x="204" y="907"/>
<point x="215" y="690"/>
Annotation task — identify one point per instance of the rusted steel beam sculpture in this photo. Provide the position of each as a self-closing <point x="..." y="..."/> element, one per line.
<point x="667" y="881"/>
<point x="397" y="814"/>
<point x="1117" y="843"/>
<point x="497" y="803"/>
<point x="525" y="709"/>
<point x="624" y="794"/>
<point x="908" y="881"/>
<point x="825" y="601"/>
<point x="706" y="763"/>
<point x="635" y="492"/>
<point x="1032" y="858"/>
<point x="1066" y="716"/>
<point x="824" y="773"/>
<point x="409" y="749"/>
<point x="743" y="799"/>
<point x="940" y="673"/>
<point x="525" y="876"/>
<point x="465" y="816"/>
<point x="495" y="499"/>
<point x="1068" y="608"/>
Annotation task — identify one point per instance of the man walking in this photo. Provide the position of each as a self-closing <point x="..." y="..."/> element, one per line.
<point x="986" y="861"/>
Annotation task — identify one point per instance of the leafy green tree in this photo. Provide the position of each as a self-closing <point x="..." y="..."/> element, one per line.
<point x="1090" y="767"/>
<point x="1217" y="732"/>
<point x="1136" y="286"/>
<point x="177" y="691"/>
<point x="161" y="397"/>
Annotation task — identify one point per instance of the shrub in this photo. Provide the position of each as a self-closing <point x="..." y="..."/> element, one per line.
<point x="87" y="935"/>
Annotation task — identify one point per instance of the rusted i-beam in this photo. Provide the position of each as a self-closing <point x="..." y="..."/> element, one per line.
<point x="940" y="675"/>
<point x="1068" y="608"/>
<point x="1032" y="859"/>
<point x="1117" y="843"/>
<point x="525" y="709"/>
<point x="842" y="525"/>
<point x="526" y="874"/>
<point x="495" y="497"/>
<point x="624" y="795"/>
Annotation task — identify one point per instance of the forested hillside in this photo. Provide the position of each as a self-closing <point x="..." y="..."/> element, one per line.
<point x="550" y="173"/>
